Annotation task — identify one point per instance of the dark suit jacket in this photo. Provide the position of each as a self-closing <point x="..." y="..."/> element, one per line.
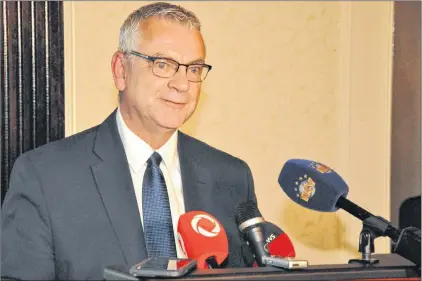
<point x="71" y="208"/>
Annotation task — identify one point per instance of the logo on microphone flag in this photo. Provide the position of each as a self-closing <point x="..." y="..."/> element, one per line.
<point x="202" y="236"/>
<point x="205" y="225"/>
<point x="305" y="188"/>
<point x="321" y="168"/>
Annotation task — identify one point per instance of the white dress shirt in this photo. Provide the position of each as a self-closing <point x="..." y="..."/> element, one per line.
<point x="137" y="153"/>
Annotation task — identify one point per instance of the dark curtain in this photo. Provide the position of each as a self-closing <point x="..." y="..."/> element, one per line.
<point x="32" y="83"/>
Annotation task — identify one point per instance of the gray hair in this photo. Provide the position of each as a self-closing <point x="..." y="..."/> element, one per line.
<point x="129" y="29"/>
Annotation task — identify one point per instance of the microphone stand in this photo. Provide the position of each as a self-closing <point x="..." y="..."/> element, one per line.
<point x="407" y="241"/>
<point x="366" y="246"/>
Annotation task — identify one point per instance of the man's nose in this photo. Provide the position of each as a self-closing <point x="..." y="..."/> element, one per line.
<point x="179" y="81"/>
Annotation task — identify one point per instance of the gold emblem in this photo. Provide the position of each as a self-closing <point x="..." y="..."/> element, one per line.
<point x="306" y="189"/>
<point x="321" y="168"/>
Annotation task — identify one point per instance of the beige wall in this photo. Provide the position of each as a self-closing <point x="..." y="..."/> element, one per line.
<point x="290" y="80"/>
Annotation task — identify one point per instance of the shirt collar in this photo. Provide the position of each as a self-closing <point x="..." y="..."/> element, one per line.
<point x="138" y="151"/>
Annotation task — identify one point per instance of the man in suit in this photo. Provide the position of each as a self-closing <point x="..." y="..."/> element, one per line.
<point x="94" y="199"/>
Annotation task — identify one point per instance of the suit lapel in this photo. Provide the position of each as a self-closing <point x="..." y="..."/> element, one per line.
<point x="200" y="187"/>
<point x="115" y="186"/>
<point x="196" y="180"/>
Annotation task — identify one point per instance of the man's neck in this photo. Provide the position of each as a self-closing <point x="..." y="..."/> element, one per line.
<point x="152" y="135"/>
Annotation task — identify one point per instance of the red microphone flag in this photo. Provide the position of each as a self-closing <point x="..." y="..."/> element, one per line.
<point x="201" y="236"/>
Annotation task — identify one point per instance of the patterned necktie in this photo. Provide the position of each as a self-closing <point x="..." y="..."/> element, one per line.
<point x="158" y="226"/>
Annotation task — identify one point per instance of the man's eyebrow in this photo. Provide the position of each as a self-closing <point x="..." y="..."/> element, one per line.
<point x="199" y="61"/>
<point x="161" y="55"/>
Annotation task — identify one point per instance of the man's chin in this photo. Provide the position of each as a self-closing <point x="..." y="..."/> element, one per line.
<point x="173" y="123"/>
<point x="171" y="126"/>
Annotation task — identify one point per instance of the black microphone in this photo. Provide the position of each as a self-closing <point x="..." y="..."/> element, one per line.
<point x="249" y="221"/>
<point x="316" y="186"/>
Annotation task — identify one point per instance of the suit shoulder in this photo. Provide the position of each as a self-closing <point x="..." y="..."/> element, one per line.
<point x="79" y="143"/>
<point x="208" y="152"/>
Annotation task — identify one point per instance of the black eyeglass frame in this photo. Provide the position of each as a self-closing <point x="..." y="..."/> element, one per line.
<point x="153" y="59"/>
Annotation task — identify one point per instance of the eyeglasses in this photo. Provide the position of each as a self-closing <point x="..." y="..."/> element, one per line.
<point x="165" y="68"/>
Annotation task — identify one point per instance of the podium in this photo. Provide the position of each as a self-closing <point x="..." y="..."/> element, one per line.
<point x="390" y="267"/>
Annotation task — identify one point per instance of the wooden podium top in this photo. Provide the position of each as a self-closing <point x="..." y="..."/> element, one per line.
<point x="390" y="267"/>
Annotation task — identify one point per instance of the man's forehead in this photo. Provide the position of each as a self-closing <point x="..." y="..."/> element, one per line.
<point x="171" y="39"/>
<point x="166" y="28"/>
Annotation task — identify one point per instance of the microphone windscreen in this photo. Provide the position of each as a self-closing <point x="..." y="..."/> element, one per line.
<point x="201" y="236"/>
<point x="277" y="242"/>
<point x="312" y="185"/>
<point x="246" y="211"/>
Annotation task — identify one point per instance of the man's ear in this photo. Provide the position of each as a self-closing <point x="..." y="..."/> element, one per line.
<point x="119" y="67"/>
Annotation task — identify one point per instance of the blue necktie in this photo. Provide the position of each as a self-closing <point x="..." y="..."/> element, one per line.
<point x="158" y="226"/>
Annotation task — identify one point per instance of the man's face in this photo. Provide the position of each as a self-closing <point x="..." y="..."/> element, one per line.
<point x="163" y="102"/>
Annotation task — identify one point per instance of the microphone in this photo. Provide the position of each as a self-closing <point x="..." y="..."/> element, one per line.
<point x="203" y="238"/>
<point x="316" y="186"/>
<point x="250" y="222"/>
<point x="264" y="238"/>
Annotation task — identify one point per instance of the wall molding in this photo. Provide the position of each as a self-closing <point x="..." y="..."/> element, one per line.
<point x="69" y="61"/>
